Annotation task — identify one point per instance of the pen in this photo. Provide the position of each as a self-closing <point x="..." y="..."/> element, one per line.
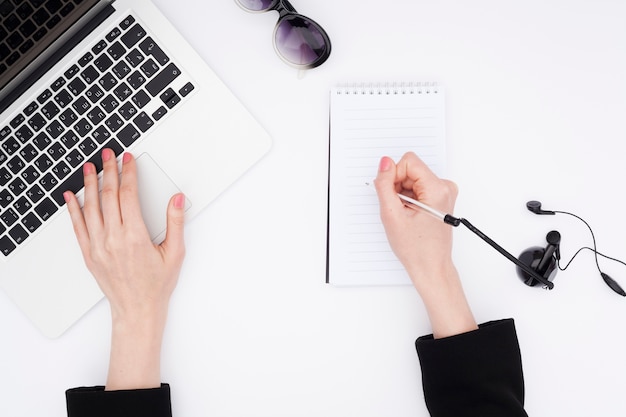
<point x="415" y="205"/>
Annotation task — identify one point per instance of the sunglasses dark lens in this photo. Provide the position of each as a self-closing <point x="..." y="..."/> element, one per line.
<point x="256" y="5"/>
<point x="301" y="41"/>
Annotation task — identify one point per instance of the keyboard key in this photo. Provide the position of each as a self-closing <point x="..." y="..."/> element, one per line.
<point x="61" y="170"/>
<point x="133" y="35"/>
<point x="63" y="98"/>
<point x="74" y="158"/>
<point x="96" y="115"/>
<point x="41" y="141"/>
<point x="150" y="68"/>
<point x="81" y="105"/>
<point x="101" y="134"/>
<point x="23" y="134"/>
<point x="37" y="122"/>
<point x="60" y="82"/>
<point x="116" y="51"/>
<point x="50" y="110"/>
<point x="41" y="16"/>
<point x="159" y="113"/>
<point x="128" y="135"/>
<point x="56" y="151"/>
<point x="18" y="234"/>
<point x="43" y="163"/>
<point x="76" y="86"/>
<point x="94" y="93"/>
<point x="48" y="182"/>
<point x="82" y="127"/>
<point x="109" y="103"/>
<point x="136" y="79"/>
<point x="163" y="79"/>
<point x="108" y="81"/>
<point x="17" y="120"/>
<point x="35" y="193"/>
<point x="127" y="111"/>
<point x="149" y="47"/>
<point x="69" y="139"/>
<point x="10" y="146"/>
<point x="103" y="62"/>
<point x="44" y="96"/>
<point x="71" y="72"/>
<point x="15" y="164"/>
<point x="30" y="109"/>
<point x="87" y="146"/>
<point x="6" y="198"/>
<point x="45" y="209"/>
<point x="28" y="152"/>
<point x="99" y="47"/>
<point x="122" y="91"/>
<point x="114" y="123"/>
<point x="31" y="222"/>
<point x="85" y="59"/>
<point x="17" y="186"/>
<point x="143" y="121"/>
<point x="55" y="129"/>
<point x="141" y="99"/>
<point x="68" y="117"/>
<point x="90" y="74"/>
<point x="4" y="132"/>
<point x="186" y="89"/>
<point x="22" y="205"/>
<point x="6" y="245"/>
<point x="5" y="176"/>
<point x="9" y="217"/>
<point x="30" y="174"/>
<point x="135" y="57"/>
<point x="112" y="35"/>
<point x="121" y="70"/>
<point x="125" y="24"/>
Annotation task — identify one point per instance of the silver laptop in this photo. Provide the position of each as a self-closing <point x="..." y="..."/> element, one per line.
<point x="80" y="75"/>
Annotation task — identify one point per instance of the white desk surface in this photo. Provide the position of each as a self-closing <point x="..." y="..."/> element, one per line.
<point x="535" y="105"/>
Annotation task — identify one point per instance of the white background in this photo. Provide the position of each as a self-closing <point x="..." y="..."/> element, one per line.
<point x="535" y="105"/>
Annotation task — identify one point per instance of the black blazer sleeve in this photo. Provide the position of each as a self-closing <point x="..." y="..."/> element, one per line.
<point x="478" y="373"/>
<point x="96" y="402"/>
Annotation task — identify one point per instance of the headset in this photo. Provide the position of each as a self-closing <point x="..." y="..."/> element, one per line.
<point x="538" y="265"/>
<point x="545" y="261"/>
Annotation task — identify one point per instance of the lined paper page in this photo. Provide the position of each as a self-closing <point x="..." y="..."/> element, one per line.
<point x="366" y="124"/>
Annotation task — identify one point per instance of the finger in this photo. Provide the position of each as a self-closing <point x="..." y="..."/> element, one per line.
<point x="174" y="243"/>
<point x="412" y="172"/>
<point x="110" y="189"/>
<point x="78" y="222"/>
<point x="91" y="207"/>
<point x="385" y="185"/>
<point x="129" y="194"/>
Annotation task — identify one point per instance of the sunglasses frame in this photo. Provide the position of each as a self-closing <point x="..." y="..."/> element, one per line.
<point x="285" y="9"/>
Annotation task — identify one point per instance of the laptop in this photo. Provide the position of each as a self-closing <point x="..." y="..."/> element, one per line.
<point x="80" y="75"/>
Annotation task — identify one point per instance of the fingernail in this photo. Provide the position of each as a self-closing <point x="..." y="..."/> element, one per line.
<point x="106" y="154"/>
<point x="385" y="164"/>
<point x="127" y="157"/>
<point x="66" y="196"/>
<point x="179" y="201"/>
<point x="87" y="169"/>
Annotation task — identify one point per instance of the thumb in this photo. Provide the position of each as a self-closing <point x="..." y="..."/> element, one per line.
<point x="385" y="183"/>
<point x="174" y="242"/>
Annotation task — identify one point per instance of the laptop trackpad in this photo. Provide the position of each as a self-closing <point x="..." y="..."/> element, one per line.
<point x="155" y="191"/>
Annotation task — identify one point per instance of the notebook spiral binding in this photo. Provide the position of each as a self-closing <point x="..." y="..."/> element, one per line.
<point x="394" y="88"/>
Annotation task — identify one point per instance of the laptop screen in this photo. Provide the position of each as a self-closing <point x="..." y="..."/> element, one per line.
<point x="28" y="31"/>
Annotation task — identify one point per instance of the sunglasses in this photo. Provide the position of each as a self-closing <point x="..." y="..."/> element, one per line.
<point x="298" y="40"/>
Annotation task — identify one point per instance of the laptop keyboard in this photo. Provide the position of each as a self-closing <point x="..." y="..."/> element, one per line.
<point x="24" y="22"/>
<point x="109" y="98"/>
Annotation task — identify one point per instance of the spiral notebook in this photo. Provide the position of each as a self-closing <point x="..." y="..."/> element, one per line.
<point x="366" y="123"/>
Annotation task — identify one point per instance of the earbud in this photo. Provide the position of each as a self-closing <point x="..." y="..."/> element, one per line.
<point x="541" y="260"/>
<point x="535" y="207"/>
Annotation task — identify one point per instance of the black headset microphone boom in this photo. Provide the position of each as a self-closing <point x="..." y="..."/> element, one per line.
<point x="537" y="265"/>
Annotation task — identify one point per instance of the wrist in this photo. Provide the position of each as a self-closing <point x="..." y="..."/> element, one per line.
<point x="135" y="351"/>
<point x="442" y="293"/>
